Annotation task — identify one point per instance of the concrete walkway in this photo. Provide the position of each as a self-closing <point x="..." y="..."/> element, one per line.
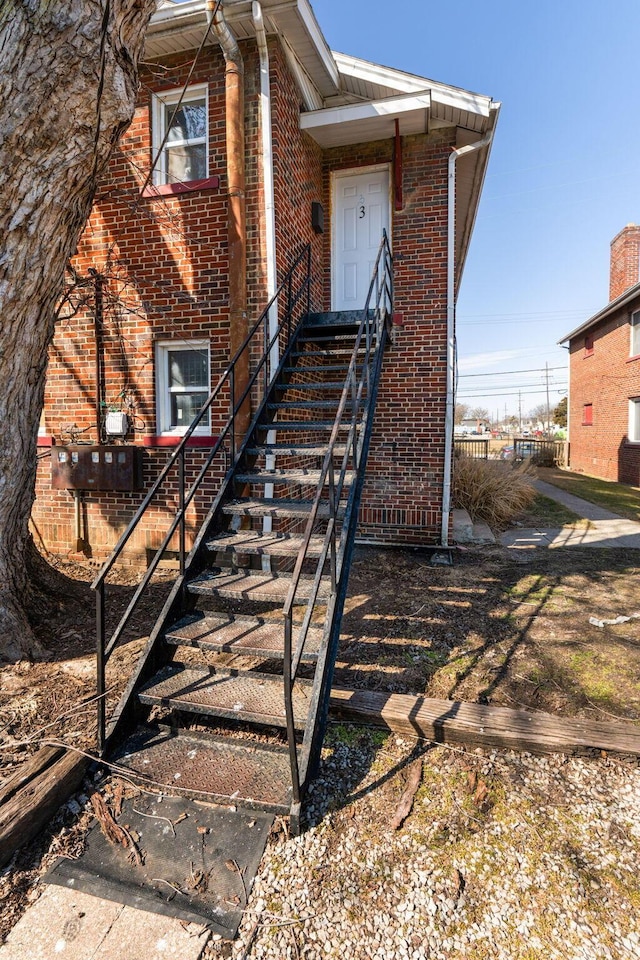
<point x="605" y="529"/>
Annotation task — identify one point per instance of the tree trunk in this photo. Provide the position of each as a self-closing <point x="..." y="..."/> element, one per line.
<point x="68" y="81"/>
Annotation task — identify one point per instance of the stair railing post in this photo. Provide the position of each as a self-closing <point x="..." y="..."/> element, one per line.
<point x="289" y="308"/>
<point x="354" y="415"/>
<point x="308" y="280"/>
<point x="288" y="706"/>
<point x="232" y="411"/>
<point x="100" y="664"/>
<point x="265" y="356"/>
<point x="333" y="512"/>
<point x="181" y="507"/>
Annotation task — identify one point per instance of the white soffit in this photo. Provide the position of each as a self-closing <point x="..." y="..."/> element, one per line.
<point x="372" y="120"/>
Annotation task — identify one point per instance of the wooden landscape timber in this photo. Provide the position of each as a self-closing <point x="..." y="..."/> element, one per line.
<point x="30" y="798"/>
<point x="477" y="725"/>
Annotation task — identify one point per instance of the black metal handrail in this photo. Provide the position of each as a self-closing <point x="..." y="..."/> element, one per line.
<point x="293" y="292"/>
<point x="373" y="326"/>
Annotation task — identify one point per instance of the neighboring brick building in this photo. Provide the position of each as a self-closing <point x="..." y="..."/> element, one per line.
<point x="604" y="374"/>
<point x="153" y="336"/>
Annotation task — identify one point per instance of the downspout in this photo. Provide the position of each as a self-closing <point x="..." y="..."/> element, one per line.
<point x="451" y="328"/>
<point x="237" y="231"/>
<point x="270" y="224"/>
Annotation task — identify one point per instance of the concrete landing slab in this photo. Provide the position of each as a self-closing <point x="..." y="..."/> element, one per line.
<point x="600" y="534"/>
<point x="76" y="926"/>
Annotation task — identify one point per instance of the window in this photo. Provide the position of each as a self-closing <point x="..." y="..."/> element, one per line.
<point x="587" y="414"/>
<point x="184" y="155"/>
<point x="635" y="334"/>
<point x="634" y="420"/>
<point x="588" y="345"/>
<point x="184" y="383"/>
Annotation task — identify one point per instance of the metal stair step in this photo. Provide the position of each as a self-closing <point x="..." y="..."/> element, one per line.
<point x="217" y="769"/>
<point x="304" y="405"/>
<point x="337" y="351"/>
<point x="324" y="368"/>
<point x="313" y="385"/>
<point x="264" y="544"/>
<point x="291" y="477"/>
<point x="276" y="508"/>
<point x="303" y="425"/>
<point x="243" y="636"/>
<point x="294" y="450"/>
<point x="251" y="697"/>
<point x="257" y="587"/>
<point x="335" y="318"/>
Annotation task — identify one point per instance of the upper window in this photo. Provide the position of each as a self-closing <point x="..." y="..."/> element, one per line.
<point x="635" y="334"/>
<point x="634" y="420"/>
<point x="183" y="385"/>
<point x="184" y="131"/>
<point x="588" y="345"/>
<point x="587" y="414"/>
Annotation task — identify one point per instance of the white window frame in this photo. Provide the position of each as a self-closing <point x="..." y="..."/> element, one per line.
<point x="634" y="420"/>
<point x="634" y="339"/>
<point x="170" y="98"/>
<point x="163" y="390"/>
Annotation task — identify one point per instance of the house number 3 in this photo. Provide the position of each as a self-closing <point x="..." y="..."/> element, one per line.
<point x="361" y="209"/>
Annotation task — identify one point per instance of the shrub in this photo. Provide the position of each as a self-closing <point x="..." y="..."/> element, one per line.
<point x="490" y="490"/>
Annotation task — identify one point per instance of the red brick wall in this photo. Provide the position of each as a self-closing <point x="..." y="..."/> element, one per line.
<point x="166" y="263"/>
<point x="625" y="260"/>
<point x="606" y="378"/>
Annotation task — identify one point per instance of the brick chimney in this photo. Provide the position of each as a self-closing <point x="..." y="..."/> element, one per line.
<point x="624" y="271"/>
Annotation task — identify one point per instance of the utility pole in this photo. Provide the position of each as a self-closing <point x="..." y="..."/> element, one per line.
<point x="519" y="412"/>
<point x="548" y="430"/>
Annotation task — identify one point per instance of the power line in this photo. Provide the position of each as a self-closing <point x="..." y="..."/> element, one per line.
<point x="510" y="393"/>
<point x="509" y="373"/>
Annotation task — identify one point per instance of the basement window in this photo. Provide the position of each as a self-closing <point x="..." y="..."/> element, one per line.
<point x="634" y="420"/>
<point x="184" y="156"/>
<point x="183" y="378"/>
<point x="634" y="350"/>
<point x="587" y="415"/>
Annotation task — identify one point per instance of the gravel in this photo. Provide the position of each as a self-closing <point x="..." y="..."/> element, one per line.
<point x="504" y="856"/>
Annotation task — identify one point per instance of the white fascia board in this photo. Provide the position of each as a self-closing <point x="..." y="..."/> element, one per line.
<point x="322" y="47"/>
<point x="410" y="83"/>
<point x="370" y="110"/>
<point x="625" y="298"/>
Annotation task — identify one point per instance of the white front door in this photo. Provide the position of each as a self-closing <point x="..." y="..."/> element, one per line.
<point x="360" y="214"/>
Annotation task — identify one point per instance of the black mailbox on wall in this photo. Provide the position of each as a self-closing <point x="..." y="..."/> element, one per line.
<point x="106" y="467"/>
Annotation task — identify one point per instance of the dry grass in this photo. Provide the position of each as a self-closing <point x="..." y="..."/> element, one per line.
<point x="490" y="490"/>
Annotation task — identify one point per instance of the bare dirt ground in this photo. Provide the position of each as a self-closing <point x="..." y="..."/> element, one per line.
<point x="489" y="629"/>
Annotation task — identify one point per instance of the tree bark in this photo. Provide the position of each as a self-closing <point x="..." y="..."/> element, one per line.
<point x="68" y="81"/>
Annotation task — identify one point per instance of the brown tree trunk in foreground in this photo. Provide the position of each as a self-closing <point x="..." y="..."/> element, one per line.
<point x="68" y="81"/>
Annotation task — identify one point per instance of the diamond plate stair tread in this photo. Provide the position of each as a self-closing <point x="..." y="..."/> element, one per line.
<point x="314" y="385"/>
<point x="266" y="507"/>
<point x="269" y="544"/>
<point x="256" y="586"/>
<point x="248" y="637"/>
<point x="304" y="405"/>
<point x="252" y="697"/>
<point x="323" y="368"/>
<point x="294" y="450"/>
<point x="214" y="768"/>
<point x="302" y="477"/>
<point x="304" y="425"/>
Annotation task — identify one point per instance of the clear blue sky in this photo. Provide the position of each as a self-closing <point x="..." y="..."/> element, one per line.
<point x="564" y="171"/>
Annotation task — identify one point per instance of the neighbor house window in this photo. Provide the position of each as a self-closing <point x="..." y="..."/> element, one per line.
<point x="587" y="414"/>
<point x="183" y="385"/>
<point x="184" y="155"/>
<point x="635" y="334"/>
<point x="588" y="345"/>
<point x="634" y="420"/>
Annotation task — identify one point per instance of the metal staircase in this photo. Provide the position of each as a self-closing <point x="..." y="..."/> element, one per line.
<point x="265" y="582"/>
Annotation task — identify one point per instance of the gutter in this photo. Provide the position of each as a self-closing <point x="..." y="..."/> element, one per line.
<point x="236" y="226"/>
<point x="451" y="322"/>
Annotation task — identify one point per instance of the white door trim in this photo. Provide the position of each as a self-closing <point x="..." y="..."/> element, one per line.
<point x="336" y="176"/>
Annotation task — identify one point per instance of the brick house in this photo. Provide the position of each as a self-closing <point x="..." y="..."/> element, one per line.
<point x="331" y="143"/>
<point x="604" y="374"/>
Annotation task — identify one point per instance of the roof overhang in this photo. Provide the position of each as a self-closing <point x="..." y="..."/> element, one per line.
<point x="177" y="27"/>
<point x="624" y="300"/>
<point x="371" y="120"/>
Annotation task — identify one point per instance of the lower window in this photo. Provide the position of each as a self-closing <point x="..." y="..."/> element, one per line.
<point x="587" y="414"/>
<point x="634" y="420"/>
<point x="183" y="385"/>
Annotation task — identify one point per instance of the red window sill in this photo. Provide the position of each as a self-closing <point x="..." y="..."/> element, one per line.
<point x="585" y="424"/>
<point x="176" y="189"/>
<point x="195" y="441"/>
<point x="45" y="441"/>
<point x="632" y="359"/>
